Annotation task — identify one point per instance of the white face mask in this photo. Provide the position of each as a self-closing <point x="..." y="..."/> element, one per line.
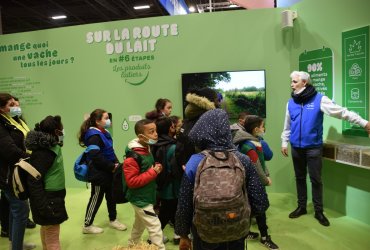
<point x="61" y="137"/>
<point x="108" y="123"/>
<point x="15" y="111"/>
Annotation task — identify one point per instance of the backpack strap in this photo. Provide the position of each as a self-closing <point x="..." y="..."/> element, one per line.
<point x="29" y="168"/>
<point x="16" y="180"/>
<point x="136" y="156"/>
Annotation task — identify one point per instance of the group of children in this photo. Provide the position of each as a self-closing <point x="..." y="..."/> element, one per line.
<point x="153" y="169"/>
<point x="156" y="144"/>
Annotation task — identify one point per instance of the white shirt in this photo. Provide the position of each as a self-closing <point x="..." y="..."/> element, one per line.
<point x="329" y="108"/>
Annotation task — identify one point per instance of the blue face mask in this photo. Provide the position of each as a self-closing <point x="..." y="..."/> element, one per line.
<point x="15" y="111"/>
<point x="108" y="123"/>
<point x="150" y="141"/>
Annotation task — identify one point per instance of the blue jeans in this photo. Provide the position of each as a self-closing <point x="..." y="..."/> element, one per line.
<point x="308" y="159"/>
<point x="19" y="211"/>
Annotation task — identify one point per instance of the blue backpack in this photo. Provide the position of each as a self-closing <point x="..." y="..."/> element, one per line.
<point x="81" y="166"/>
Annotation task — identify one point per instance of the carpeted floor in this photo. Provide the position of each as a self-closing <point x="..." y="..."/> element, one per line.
<point x="304" y="233"/>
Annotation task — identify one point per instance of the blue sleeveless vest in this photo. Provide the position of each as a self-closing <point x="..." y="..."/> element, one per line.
<point x="306" y="123"/>
<point x="107" y="140"/>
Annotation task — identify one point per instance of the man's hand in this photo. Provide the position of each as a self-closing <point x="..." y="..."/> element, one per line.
<point x="367" y="127"/>
<point x="185" y="243"/>
<point x="284" y="151"/>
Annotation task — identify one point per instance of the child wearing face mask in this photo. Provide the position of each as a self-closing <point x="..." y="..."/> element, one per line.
<point x="103" y="163"/>
<point x="47" y="194"/>
<point x="249" y="143"/>
<point x="140" y="171"/>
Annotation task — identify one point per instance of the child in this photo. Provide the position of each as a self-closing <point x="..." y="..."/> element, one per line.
<point x="177" y="122"/>
<point x="251" y="146"/>
<point x="169" y="180"/>
<point x="140" y="175"/>
<point x="103" y="164"/>
<point x="47" y="194"/>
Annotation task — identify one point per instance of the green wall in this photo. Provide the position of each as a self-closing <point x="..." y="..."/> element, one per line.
<point x="231" y="40"/>
<point x="237" y="40"/>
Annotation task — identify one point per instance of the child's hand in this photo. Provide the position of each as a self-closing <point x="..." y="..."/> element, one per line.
<point x="157" y="167"/>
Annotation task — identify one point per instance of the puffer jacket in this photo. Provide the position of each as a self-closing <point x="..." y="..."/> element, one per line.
<point x="48" y="207"/>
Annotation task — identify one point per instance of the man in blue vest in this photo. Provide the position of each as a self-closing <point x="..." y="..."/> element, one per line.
<point x="303" y="128"/>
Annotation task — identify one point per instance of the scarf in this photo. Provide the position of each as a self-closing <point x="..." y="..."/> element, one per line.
<point x="21" y="125"/>
<point x="305" y="95"/>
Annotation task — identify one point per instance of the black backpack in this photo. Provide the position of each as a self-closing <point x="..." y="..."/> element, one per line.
<point x="119" y="185"/>
<point x="167" y="175"/>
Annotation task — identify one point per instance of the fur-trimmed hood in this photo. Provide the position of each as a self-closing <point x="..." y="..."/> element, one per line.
<point x="241" y="135"/>
<point x="40" y="140"/>
<point x="197" y="105"/>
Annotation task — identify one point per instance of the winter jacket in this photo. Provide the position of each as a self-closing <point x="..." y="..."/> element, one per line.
<point x="47" y="195"/>
<point x="12" y="149"/>
<point x="101" y="160"/>
<point x="196" y="106"/>
<point x="140" y="179"/>
<point x="249" y="145"/>
<point x="212" y="132"/>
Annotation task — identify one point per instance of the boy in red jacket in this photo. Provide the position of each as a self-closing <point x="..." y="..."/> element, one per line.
<point x="140" y="173"/>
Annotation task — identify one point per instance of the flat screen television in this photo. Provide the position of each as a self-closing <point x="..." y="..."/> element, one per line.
<point x="238" y="91"/>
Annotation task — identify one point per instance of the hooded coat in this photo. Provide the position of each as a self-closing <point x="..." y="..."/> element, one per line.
<point x="212" y="131"/>
<point x="197" y="105"/>
<point x="48" y="207"/>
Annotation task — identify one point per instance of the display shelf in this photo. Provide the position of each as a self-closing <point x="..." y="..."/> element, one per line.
<point x="354" y="155"/>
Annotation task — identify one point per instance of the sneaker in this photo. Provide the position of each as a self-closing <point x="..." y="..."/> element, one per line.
<point x="30" y="224"/>
<point x="92" y="230"/>
<point x="28" y="246"/>
<point x="176" y="239"/>
<point x="252" y="236"/>
<point x="269" y="243"/>
<point x="118" y="225"/>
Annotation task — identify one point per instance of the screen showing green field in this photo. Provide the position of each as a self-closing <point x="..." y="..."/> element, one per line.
<point x="238" y="91"/>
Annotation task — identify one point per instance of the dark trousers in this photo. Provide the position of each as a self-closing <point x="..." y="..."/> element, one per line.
<point x="167" y="211"/>
<point x="198" y="244"/>
<point x="4" y="212"/>
<point x="262" y="224"/>
<point x="311" y="159"/>
<point x="96" y="198"/>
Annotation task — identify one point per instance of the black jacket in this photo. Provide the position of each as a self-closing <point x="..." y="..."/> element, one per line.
<point x="12" y="149"/>
<point x="48" y="207"/>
